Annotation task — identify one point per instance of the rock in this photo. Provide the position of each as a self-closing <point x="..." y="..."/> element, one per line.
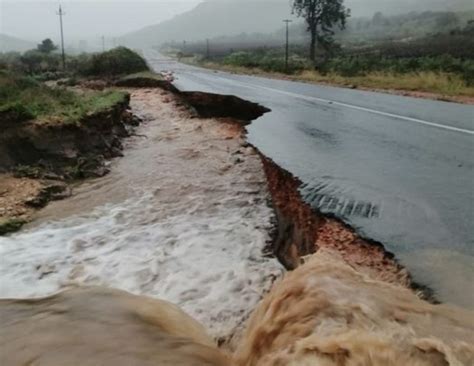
<point x="52" y="176"/>
<point x="249" y="151"/>
<point x="45" y="269"/>
<point x="50" y="192"/>
<point x="236" y="160"/>
<point x="243" y="143"/>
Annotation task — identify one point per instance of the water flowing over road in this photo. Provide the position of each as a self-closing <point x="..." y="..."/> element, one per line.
<point x="398" y="169"/>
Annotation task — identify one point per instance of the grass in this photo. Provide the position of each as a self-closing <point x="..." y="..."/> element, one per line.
<point x="145" y="75"/>
<point x="427" y="81"/>
<point x="28" y="99"/>
<point x="442" y="83"/>
<point x="10" y="225"/>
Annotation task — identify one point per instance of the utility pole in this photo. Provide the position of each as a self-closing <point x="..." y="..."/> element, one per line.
<point x="208" y="50"/>
<point x="287" y="21"/>
<point x="61" y="13"/>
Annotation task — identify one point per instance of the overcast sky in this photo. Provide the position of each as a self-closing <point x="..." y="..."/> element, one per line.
<point x="85" y="19"/>
<point x="90" y="19"/>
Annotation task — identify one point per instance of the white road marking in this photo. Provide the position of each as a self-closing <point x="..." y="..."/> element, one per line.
<point x="352" y="106"/>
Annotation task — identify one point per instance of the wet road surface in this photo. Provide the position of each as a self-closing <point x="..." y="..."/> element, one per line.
<point x="398" y="169"/>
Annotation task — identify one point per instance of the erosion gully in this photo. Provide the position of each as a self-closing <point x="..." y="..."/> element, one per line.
<point x="192" y="214"/>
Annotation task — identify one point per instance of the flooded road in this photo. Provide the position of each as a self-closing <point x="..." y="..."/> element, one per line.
<point x="178" y="218"/>
<point x="398" y="169"/>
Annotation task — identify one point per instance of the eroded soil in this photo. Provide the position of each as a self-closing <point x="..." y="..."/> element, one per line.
<point x="14" y="193"/>
<point x="182" y="216"/>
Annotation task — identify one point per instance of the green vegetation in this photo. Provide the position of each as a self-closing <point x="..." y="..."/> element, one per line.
<point x="22" y="97"/>
<point x="441" y="83"/>
<point x="10" y="225"/>
<point x="438" y="63"/>
<point x="118" y="61"/>
<point x="270" y="60"/>
<point x="44" y="64"/>
<point x="47" y="46"/>
<point x="431" y="82"/>
<point x="146" y="79"/>
<point x="382" y="28"/>
<point x="460" y="70"/>
<point x="144" y="75"/>
<point x="321" y="17"/>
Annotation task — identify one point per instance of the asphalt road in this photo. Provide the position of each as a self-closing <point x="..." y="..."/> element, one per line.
<point x="398" y="169"/>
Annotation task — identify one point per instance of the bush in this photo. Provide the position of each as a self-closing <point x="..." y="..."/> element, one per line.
<point x="267" y="60"/>
<point x="360" y="65"/>
<point x="118" y="61"/>
<point x="468" y="74"/>
<point x="36" y="62"/>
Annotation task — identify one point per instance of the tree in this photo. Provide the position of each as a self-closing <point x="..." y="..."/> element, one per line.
<point x="378" y="19"/>
<point x="47" y="46"/>
<point x="321" y="16"/>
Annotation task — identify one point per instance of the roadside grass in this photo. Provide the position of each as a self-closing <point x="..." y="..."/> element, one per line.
<point x="440" y="83"/>
<point x="427" y="81"/>
<point x="25" y="99"/>
<point x="145" y="75"/>
<point x="10" y="225"/>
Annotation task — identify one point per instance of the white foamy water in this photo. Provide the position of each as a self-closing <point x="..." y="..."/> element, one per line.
<point x="175" y="219"/>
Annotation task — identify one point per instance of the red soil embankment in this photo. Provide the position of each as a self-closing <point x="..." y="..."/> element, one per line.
<point x="301" y="231"/>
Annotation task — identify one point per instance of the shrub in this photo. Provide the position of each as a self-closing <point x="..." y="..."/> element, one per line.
<point x="118" y="61"/>
<point x="267" y="60"/>
<point x="468" y="73"/>
<point x="36" y="62"/>
<point x="10" y="225"/>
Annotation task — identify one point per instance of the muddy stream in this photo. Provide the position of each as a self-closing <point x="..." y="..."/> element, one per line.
<point x="194" y="215"/>
<point x="183" y="216"/>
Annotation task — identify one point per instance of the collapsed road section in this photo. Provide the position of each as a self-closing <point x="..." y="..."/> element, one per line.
<point x="301" y="230"/>
<point x="184" y="216"/>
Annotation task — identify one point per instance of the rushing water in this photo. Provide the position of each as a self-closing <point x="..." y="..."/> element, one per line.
<point x="175" y="219"/>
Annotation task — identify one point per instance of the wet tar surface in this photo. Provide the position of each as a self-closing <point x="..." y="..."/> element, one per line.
<point x="398" y="169"/>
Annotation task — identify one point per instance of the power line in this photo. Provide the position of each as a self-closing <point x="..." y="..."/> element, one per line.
<point x="287" y="21"/>
<point x="61" y="13"/>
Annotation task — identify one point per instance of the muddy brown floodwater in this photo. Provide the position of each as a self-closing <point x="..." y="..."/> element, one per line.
<point x="183" y="216"/>
<point x="194" y="215"/>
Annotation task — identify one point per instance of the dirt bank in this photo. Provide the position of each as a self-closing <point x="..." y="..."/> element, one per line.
<point x="21" y="197"/>
<point x="303" y="230"/>
<point x="38" y="157"/>
<point x="64" y="149"/>
<point x="182" y="216"/>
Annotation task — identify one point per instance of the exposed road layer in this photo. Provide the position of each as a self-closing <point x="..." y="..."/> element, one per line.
<point x="398" y="169"/>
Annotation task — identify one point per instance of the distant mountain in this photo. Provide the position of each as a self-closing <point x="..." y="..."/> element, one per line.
<point x="9" y="43"/>
<point x="215" y="18"/>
